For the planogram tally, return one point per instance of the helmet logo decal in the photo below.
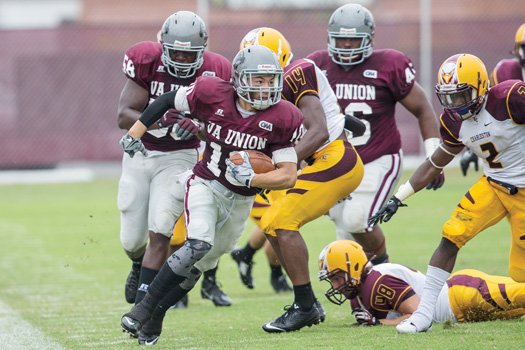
(448, 71)
(266, 67)
(182, 43)
(348, 30)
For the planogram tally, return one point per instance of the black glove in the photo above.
(365, 318)
(132, 145)
(437, 182)
(386, 212)
(466, 158)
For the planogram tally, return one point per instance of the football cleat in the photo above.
(245, 267)
(133, 321)
(322, 313)
(210, 290)
(408, 327)
(280, 284)
(149, 334)
(293, 319)
(132, 283)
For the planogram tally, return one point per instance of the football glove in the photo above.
(169, 118)
(466, 158)
(437, 182)
(132, 145)
(386, 212)
(186, 128)
(243, 173)
(365, 318)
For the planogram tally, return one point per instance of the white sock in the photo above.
(435, 280)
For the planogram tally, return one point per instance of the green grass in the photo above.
(62, 269)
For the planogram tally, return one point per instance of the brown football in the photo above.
(260, 162)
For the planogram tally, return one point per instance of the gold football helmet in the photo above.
(519, 44)
(342, 263)
(272, 39)
(462, 85)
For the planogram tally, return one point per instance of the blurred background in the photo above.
(61, 60)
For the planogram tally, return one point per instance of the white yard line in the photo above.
(16, 333)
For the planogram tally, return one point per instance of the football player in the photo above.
(246, 113)
(149, 200)
(513, 68)
(333, 171)
(387, 294)
(491, 123)
(369, 83)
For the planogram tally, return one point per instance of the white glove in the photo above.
(242, 174)
(132, 145)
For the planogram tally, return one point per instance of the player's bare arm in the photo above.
(315, 124)
(133, 99)
(417, 103)
(284, 176)
(432, 166)
(407, 308)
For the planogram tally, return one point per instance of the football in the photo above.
(260, 162)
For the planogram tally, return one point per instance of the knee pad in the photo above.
(191, 279)
(181, 262)
(353, 219)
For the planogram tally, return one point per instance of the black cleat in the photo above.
(279, 284)
(322, 313)
(245, 267)
(211, 290)
(181, 304)
(133, 321)
(293, 319)
(149, 334)
(132, 283)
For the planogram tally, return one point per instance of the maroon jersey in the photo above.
(370, 91)
(143, 64)
(506, 70)
(383, 293)
(213, 101)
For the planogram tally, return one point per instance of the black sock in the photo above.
(211, 274)
(170, 299)
(277, 271)
(161, 285)
(304, 296)
(145, 279)
(248, 252)
(380, 259)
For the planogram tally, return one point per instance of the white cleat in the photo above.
(408, 327)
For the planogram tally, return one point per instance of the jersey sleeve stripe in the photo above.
(495, 75)
(507, 101)
(449, 132)
(298, 98)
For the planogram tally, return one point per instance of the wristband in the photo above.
(431, 144)
(404, 191)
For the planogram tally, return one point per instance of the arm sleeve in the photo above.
(157, 108)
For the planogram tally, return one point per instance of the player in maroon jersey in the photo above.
(368, 84)
(245, 114)
(148, 199)
(513, 68)
(386, 294)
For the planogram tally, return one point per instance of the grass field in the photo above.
(63, 270)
